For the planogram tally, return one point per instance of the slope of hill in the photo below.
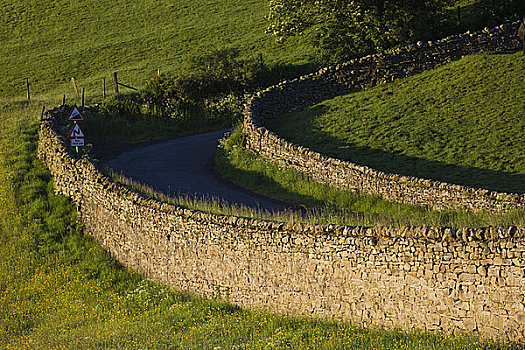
(50, 42)
(461, 123)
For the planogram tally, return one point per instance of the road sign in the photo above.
(76, 133)
(75, 115)
(77, 142)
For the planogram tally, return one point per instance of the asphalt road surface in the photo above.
(183, 165)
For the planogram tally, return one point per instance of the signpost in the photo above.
(76, 132)
(76, 135)
(75, 115)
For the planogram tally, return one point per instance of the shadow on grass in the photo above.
(280, 72)
(399, 163)
(265, 186)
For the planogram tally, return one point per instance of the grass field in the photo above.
(462, 123)
(58, 288)
(50, 42)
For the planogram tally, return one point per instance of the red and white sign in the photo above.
(76, 133)
(75, 115)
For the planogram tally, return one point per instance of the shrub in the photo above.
(344, 29)
(165, 96)
(229, 108)
(212, 89)
(125, 105)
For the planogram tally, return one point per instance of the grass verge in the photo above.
(107, 135)
(332, 206)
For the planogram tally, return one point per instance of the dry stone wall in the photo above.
(361, 74)
(409, 277)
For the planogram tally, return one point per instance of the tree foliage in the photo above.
(342, 29)
(496, 11)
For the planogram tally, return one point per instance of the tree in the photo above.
(342, 29)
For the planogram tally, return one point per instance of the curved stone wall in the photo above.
(409, 277)
(360, 74)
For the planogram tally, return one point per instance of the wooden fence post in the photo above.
(27, 89)
(116, 82)
(75, 87)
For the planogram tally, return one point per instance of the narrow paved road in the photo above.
(184, 165)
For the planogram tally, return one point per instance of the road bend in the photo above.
(184, 165)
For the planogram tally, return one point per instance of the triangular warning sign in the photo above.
(75, 115)
(76, 133)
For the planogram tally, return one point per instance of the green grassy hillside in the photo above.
(51, 41)
(461, 123)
